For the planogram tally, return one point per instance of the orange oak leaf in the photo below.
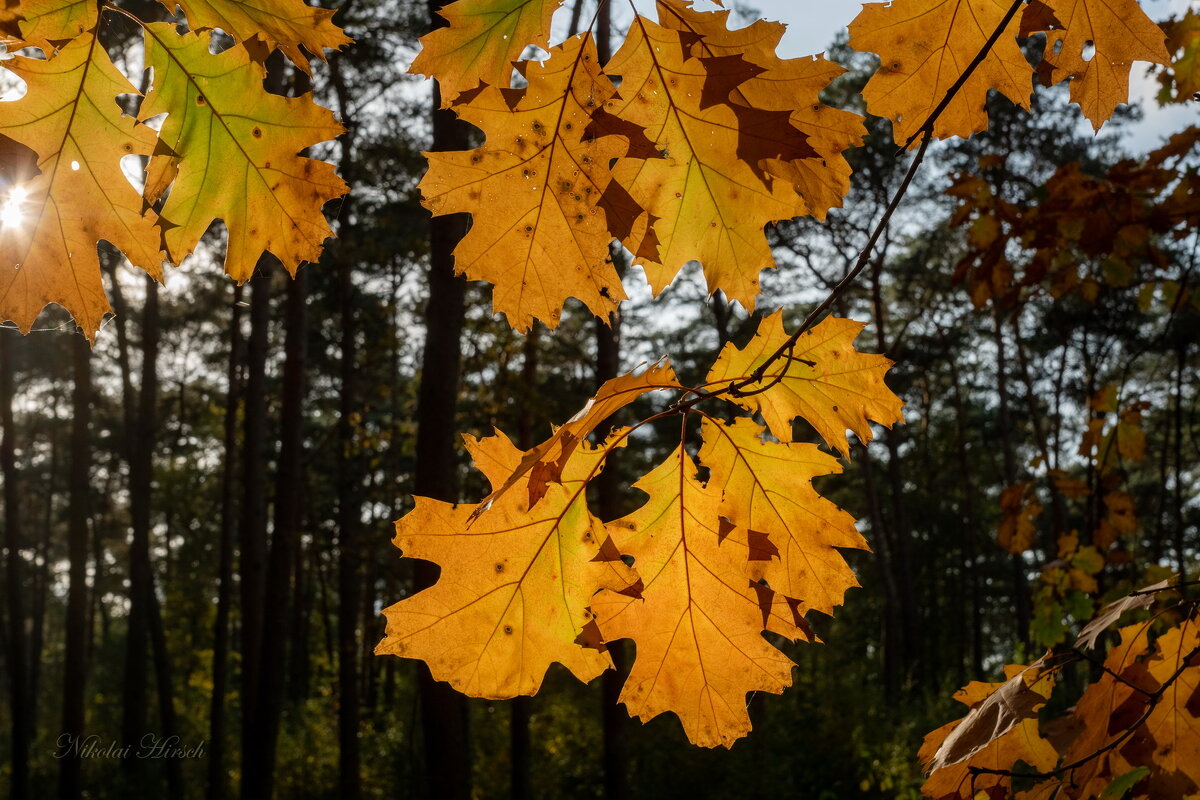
(228, 150)
(10, 24)
(697, 621)
(1020, 740)
(1095, 48)
(482, 40)
(823, 380)
(707, 202)
(790, 85)
(924, 47)
(1107, 708)
(1174, 724)
(45, 23)
(545, 463)
(538, 231)
(70, 118)
(284, 24)
(1019, 511)
(767, 490)
(515, 584)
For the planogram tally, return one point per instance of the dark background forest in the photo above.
(197, 511)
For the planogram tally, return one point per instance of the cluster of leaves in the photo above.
(1134, 731)
(226, 148)
(710, 137)
(1083, 232)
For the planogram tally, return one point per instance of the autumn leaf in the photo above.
(1013, 702)
(1115, 701)
(821, 379)
(545, 463)
(1019, 511)
(1113, 611)
(1020, 740)
(284, 24)
(46, 23)
(1095, 49)
(767, 490)
(791, 85)
(538, 231)
(1183, 42)
(1174, 724)
(698, 620)
(10, 24)
(924, 47)
(228, 151)
(515, 584)
(70, 118)
(707, 202)
(482, 40)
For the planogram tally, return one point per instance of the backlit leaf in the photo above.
(822, 380)
(71, 120)
(228, 151)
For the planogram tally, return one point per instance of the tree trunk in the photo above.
(253, 531)
(443, 711)
(1021, 600)
(901, 534)
(70, 766)
(220, 667)
(18, 657)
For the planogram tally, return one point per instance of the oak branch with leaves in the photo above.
(683, 147)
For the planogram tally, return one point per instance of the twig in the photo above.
(925, 133)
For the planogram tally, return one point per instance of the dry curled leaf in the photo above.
(1019, 741)
(1113, 611)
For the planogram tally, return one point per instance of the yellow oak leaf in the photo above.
(924, 47)
(515, 584)
(792, 85)
(767, 489)
(482, 40)
(545, 463)
(1020, 741)
(284, 24)
(538, 231)
(228, 150)
(1094, 46)
(698, 620)
(70, 118)
(823, 380)
(44, 23)
(705, 193)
